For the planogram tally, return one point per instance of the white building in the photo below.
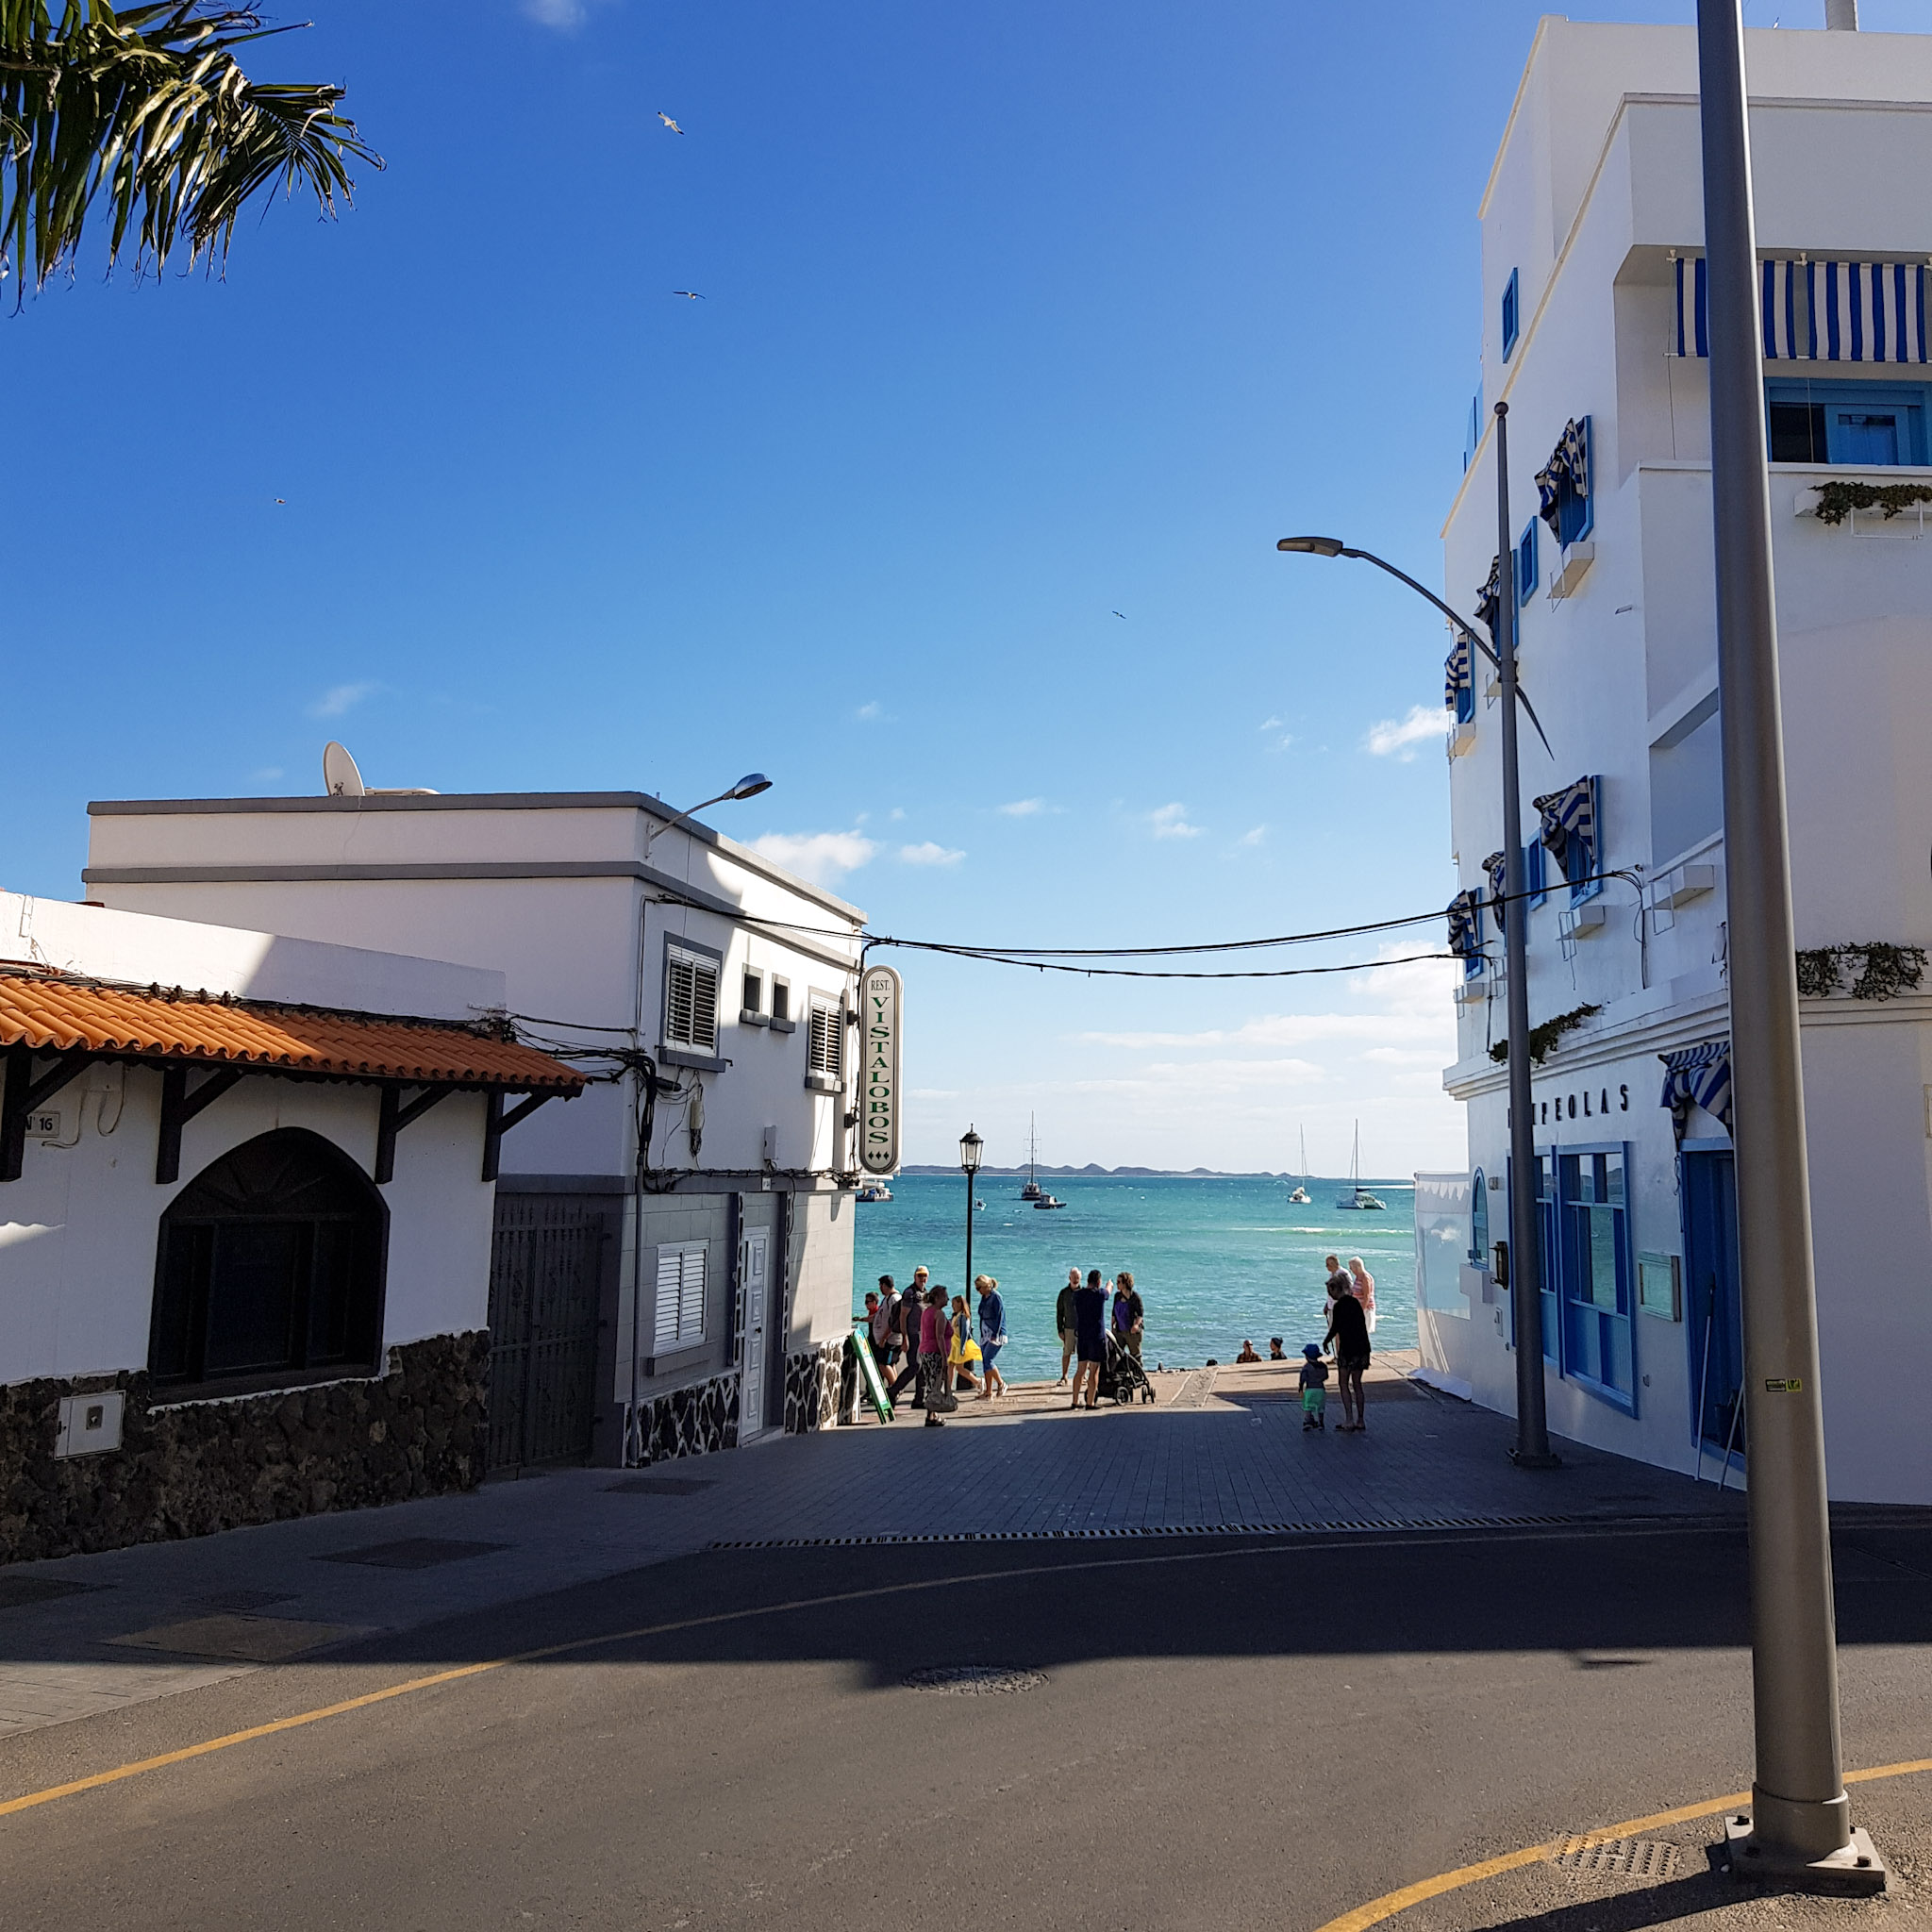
(652, 1295)
(246, 1190)
(1592, 241)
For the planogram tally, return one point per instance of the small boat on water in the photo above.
(1045, 1202)
(874, 1191)
(1031, 1190)
(1300, 1197)
(1358, 1196)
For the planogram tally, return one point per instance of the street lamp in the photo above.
(1799, 1827)
(1532, 1450)
(969, 1145)
(747, 787)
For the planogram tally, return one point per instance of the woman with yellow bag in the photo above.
(961, 1363)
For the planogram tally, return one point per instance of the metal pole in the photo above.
(1532, 1450)
(1801, 1819)
(971, 1182)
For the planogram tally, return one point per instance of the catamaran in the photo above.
(1357, 1195)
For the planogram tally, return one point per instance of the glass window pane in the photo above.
(251, 1298)
(1603, 1257)
(332, 1295)
(1613, 1179)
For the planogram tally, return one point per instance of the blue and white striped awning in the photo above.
(1818, 311)
(1489, 602)
(1458, 672)
(1569, 819)
(1494, 870)
(1569, 463)
(1465, 926)
(1698, 1076)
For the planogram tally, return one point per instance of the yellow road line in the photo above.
(1390, 1903)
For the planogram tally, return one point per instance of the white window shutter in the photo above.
(680, 1295)
(825, 1042)
(678, 1000)
(670, 1271)
(703, 1008)
(690, 1300)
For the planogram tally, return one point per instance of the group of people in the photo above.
(1083, 1316)
(924, 1338)
(1349, 1310)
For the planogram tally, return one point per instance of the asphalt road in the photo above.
(1213, 1734)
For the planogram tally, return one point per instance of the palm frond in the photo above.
(146, 111)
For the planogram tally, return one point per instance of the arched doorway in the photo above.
(271, 1268)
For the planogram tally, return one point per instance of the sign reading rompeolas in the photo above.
(881, 1000)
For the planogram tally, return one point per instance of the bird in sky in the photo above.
(668, 121)
(688, 294)
(1122, 615)
(282, 499)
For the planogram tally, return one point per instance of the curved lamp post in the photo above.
(747, 787)
(1532, 1450)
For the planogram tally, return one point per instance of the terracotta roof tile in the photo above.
(53, 1014)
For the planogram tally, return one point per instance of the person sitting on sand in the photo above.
(1247, 1354)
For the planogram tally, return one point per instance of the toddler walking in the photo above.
(1314, 1386)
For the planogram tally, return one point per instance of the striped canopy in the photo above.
(1569, 463)
(1488, 599)
(1698, 1076)
(1465, 926)
(1817, 311)
(1493, 871)
(1569, 822)
(1458, 672)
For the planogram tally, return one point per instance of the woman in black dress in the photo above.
(1348, 1329)
(1090, 1337)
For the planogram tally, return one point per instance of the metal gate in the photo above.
(544, 1267)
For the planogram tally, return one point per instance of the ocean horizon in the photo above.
(1215, 1258)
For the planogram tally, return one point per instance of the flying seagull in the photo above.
(688, 294)
(668, 121)
(1122, 615)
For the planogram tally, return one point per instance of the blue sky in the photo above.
(1015, 316)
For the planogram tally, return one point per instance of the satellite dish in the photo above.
(340, 777)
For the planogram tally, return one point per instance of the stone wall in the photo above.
(811, 1388)
(693, 1420)
(417, 1431)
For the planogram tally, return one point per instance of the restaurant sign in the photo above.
(881, 1001)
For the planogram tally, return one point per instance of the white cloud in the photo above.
(821, 857)
(1272, 723)
(267, 771)
(562, 14)
(1171, 821)
(1253, 836)
(873, 710)
(1024, 807)
(926, 853)
(338, 700)
(1402, 739)
(897, 812)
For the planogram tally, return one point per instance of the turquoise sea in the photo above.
(1214, 1259)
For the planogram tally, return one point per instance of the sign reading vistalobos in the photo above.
(881, 1000)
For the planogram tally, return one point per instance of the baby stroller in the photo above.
(1120, 1374)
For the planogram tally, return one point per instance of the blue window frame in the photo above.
(1587, 854)
(1866, 425)
(1596, 1276)
(1527, 562)
(1510, 317)
(1473, 963)
(1534, 880)
(1546, 1249)
(1473, 429)
(1479, 1221)
(1465, 701)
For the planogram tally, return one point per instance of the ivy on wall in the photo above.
(1837, 501)
(1881, 972)
(1544, 1039)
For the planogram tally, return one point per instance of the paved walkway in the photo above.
(1222, 1450)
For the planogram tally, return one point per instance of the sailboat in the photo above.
(1357, 1195)
(1300, 1196)
(1031, 1190)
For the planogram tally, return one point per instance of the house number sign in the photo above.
(881, 1001)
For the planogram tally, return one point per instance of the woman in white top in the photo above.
(1364, 1285)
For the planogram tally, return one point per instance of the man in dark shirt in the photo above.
(1063, 1319)
(911, 1304)
(1348, 1329)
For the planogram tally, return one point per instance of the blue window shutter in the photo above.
(1511, 320)
(1525, 563)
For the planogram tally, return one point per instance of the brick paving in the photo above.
(1024, 1467)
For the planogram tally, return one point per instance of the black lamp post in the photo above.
(970, 1145)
